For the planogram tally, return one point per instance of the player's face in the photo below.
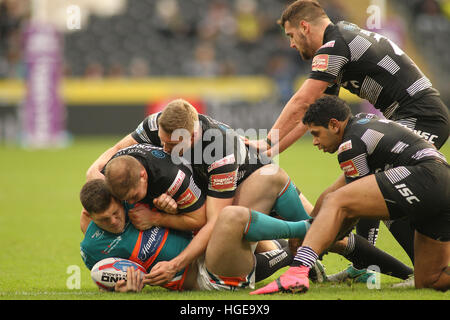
(137, 193)
(179, 140)
(324, 138)
(298, 40)
(111, 220)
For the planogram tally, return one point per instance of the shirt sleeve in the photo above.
(352, 156)
(147, 131)
(223, 176)
(329, 61)
(183, 189)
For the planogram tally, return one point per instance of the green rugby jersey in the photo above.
(146, 247)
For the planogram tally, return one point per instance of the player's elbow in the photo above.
(196, 222)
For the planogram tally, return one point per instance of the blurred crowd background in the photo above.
(207, 39)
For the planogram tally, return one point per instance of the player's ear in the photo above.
(334, 125)
(304, 26)
(143, 174)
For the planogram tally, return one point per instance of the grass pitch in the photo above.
(40, 234)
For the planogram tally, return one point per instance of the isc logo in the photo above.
(407, 193)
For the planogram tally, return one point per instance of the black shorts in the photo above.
(422, 193)
(253, 162)
(428, 117)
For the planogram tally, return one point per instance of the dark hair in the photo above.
(328, 107)
(95, 196)
(308, 10)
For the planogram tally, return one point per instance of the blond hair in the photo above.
(122, 174)
(178, 114)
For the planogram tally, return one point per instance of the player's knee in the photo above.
(274, 175)
(234, 215)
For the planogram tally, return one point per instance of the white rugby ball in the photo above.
(107, 272)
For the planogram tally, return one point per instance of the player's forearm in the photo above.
(196, 247)
(289, 139)
(289, 119)
(97, 166)
(186, 222)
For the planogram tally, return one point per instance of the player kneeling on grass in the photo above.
(390, 172)
(228, 263)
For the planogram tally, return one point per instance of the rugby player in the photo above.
(389, 173)
(368, 65)
(228, 263)
(228, 171)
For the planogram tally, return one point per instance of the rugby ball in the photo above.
(107, 272)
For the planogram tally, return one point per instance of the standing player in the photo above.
(368, 65)
(390, 172)
(228, 264)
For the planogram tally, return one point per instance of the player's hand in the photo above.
(161, 273)
(134, 282)
(260, 145)
(166, 203)
(143, 218)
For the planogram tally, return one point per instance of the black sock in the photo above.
(368, 229)
(267, 263)
(365, 254)
(403, 232)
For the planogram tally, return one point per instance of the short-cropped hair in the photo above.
(95, 196)
(122, 174)
(178, 114)
(326, 108)
(308, 10)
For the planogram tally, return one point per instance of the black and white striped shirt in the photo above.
(370, 66)
(371, 145)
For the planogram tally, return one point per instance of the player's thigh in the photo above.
(360, 198)
(227, 254)
(431, 257)
(260, 189)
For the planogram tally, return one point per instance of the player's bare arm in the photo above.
(163, 272)
(143, 218)
(94, 171)
(289, 127)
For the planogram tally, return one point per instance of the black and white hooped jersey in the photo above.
(371, 145)
(166, 177)
(219, 159)
(370, 66)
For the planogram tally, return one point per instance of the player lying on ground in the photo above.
(129, 180)
(228, 263)
(390, 172)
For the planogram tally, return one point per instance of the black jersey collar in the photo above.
(327, 35)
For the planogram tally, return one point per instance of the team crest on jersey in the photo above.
(347, 145)
(349, 169)
(320, 62)
(158, 154)
(363, 121)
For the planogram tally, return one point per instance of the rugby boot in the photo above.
(353, 274)
(318, 273)
(408, 283)
(294, 280)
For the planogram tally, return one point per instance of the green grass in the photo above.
(40, 235)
